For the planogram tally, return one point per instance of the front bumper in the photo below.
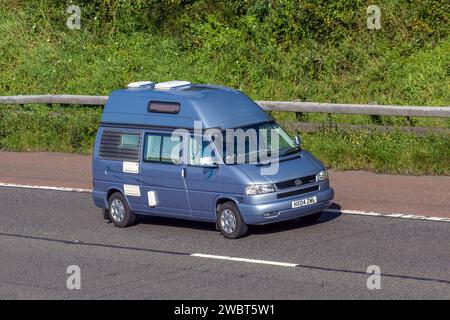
(254, 213)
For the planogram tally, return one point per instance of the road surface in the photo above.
(43, 232)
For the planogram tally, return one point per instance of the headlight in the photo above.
(253, 189)
(322, 175)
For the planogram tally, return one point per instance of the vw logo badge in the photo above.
(298, 182)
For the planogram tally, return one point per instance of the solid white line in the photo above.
(353, 212)
(273, 263)
(25, 186)
(389, 215)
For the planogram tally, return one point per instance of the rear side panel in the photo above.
(115, 165)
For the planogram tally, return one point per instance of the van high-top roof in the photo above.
(216, 106)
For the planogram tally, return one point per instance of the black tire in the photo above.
(105, 214)
(240, 228)
(312, 217)
(128, 219)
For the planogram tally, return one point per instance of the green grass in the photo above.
(54, 129)
(397, 153)
(271, 49)
(38, 54)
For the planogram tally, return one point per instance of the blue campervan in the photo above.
(157, 152)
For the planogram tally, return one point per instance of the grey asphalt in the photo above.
(43, 232)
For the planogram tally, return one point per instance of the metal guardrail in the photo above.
(54, 99)
(307, 107)
(364, 109)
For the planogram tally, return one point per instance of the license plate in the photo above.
(304, 202)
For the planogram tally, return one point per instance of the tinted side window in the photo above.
(162, 148)
(163, 107)
(129, 141)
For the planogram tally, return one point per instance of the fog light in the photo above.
(270, 214)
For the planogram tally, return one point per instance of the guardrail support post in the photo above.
(376, 119)
(299, 116)
(410, 121)
(330, 120)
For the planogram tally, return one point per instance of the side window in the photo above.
(152, 147)
(129, 141)
(171, 149)
(201, 152)
(162, 148)
(120, 146)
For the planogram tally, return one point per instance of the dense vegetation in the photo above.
(271, 49)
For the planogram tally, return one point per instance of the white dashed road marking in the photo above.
(273, 263)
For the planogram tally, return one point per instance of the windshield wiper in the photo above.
(234, 156)
(291, 150)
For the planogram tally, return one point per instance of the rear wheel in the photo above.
(230, 222)
(119, 212)
(312, 217)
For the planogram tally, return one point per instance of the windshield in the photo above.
(254, 143)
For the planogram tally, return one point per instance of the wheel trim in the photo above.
(228, 221)
(117, 210)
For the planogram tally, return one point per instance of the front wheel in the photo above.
(230, 222)
(119, 212)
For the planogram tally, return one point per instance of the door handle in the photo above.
(183, 172)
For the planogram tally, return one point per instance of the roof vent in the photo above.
(140, 84)
(171, 85)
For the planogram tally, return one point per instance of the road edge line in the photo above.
(389, 215)
(26, 186)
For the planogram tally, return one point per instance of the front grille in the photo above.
(297, 192)
(291, 183)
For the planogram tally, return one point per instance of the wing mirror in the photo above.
(208, 162)
(298, 141)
